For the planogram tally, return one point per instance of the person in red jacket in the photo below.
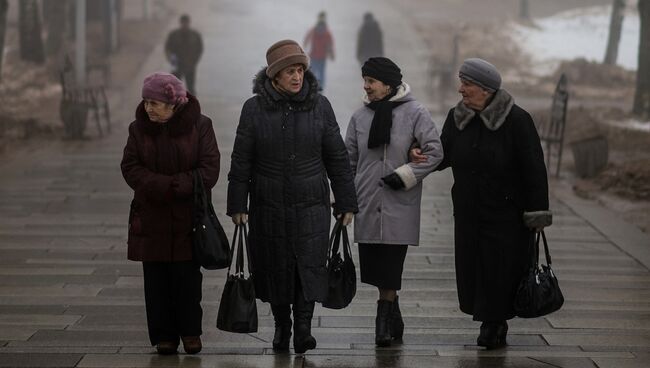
(320, 42)
(168, 139)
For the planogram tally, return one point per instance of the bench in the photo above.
(551, 132)
(77, 102)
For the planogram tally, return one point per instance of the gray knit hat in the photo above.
(481, 73)
(283, 54)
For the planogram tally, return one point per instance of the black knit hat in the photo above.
(382, 69)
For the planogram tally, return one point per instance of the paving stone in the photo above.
(16, 333)
(200, 361)
(56, 280)
(69, 291)
(60, 321)
(598, 339)
(39, 360)
(621, 363)
(28, 271)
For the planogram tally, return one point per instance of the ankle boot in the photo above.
(282, 317)
(493, 335)
(397, 326)
(302, 315)
(383, 323)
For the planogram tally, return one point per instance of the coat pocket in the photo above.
(135, 220)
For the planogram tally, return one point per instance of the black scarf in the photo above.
(382, 122)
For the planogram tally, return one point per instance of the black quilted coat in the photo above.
(285, 150)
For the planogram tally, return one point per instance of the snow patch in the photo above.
(632, 124)
(579, 33)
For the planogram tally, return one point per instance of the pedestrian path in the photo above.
(69, 298)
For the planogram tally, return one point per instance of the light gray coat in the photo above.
(388, 216)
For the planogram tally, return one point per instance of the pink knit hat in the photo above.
(164, 87)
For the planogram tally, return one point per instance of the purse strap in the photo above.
(241, 240)
(546, 251)
(535, 237)
(335, 240)
(232, 249)
(198, 191)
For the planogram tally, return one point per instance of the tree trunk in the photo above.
(31, 41)
(55, 14)
(615, 27)
(524, 9)
(4, 6)
(642, 95)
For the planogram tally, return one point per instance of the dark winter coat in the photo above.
(285, 150)
(187, 47)
(370, 42)
(157, 164)
(499, 174)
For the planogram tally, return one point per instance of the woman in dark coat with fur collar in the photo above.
(168, 139)
(500, 196)
(287, 146)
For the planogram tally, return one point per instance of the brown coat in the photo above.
(157, 164)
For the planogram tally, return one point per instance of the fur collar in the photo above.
(274, 100)
(493, 116)
(403, 94)
(181, 122)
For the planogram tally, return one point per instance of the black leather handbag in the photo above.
(209, 241)
(539, 293)
(237, 308)
(341, 273)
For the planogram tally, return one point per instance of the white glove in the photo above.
(240, 218)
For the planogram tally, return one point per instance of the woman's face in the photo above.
(290, 78)
(158, 111)
(376, 90)
(474, 96)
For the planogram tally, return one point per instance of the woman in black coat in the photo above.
(287, 146)
(500, 196)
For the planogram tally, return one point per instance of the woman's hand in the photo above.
(240, 218)
(346, 218)
(416, 156)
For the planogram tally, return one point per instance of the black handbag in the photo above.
(538, 293)
(209, 241)
(237, 308)
(341, 273)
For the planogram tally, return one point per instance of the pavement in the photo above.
(69, 297)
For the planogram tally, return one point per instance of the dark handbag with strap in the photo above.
(341, 273)
(209, 241)
(538, 293)
(237, 308)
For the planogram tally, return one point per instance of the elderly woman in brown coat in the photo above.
(168, 139)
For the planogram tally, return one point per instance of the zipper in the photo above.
(381, 204)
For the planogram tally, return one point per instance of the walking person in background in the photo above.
(168, 139)
(389, 187)
(370, 41)
(287, 146)
(320, 42)
(183, 49)
(500, 195)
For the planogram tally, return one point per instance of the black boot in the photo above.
(302, 314)
(383, 323)
(397, 327)
(282, 317)
(493, 335)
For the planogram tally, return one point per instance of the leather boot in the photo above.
(192, 344)
(383, 323)
(493, 335)
(397, 327)
(302, 315)
(167, 347)
(282, 317)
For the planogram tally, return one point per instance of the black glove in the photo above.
(394, 181)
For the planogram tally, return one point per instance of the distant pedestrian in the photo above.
(168, 139)
(389, 187)
(500, 196)
(183, 49)
(320, 42)
(370, 41)
(287, 146)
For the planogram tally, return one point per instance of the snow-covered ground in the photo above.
(575, 34)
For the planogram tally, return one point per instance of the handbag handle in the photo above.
(535, 237)
(241, 240)
(335, 239)
(198, 190)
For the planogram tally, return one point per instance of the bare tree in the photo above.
(615, 27)
(4, 6)
(642, 95)
(524, 9)
(55, 14)
(29, 32)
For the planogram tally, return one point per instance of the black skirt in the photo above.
(381, 265)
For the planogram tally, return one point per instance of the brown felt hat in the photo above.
(283, 54)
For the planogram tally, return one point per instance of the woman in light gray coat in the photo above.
(389, 188)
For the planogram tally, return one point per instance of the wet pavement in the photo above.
(69, 297)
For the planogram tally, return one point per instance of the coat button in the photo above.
(292, 156)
